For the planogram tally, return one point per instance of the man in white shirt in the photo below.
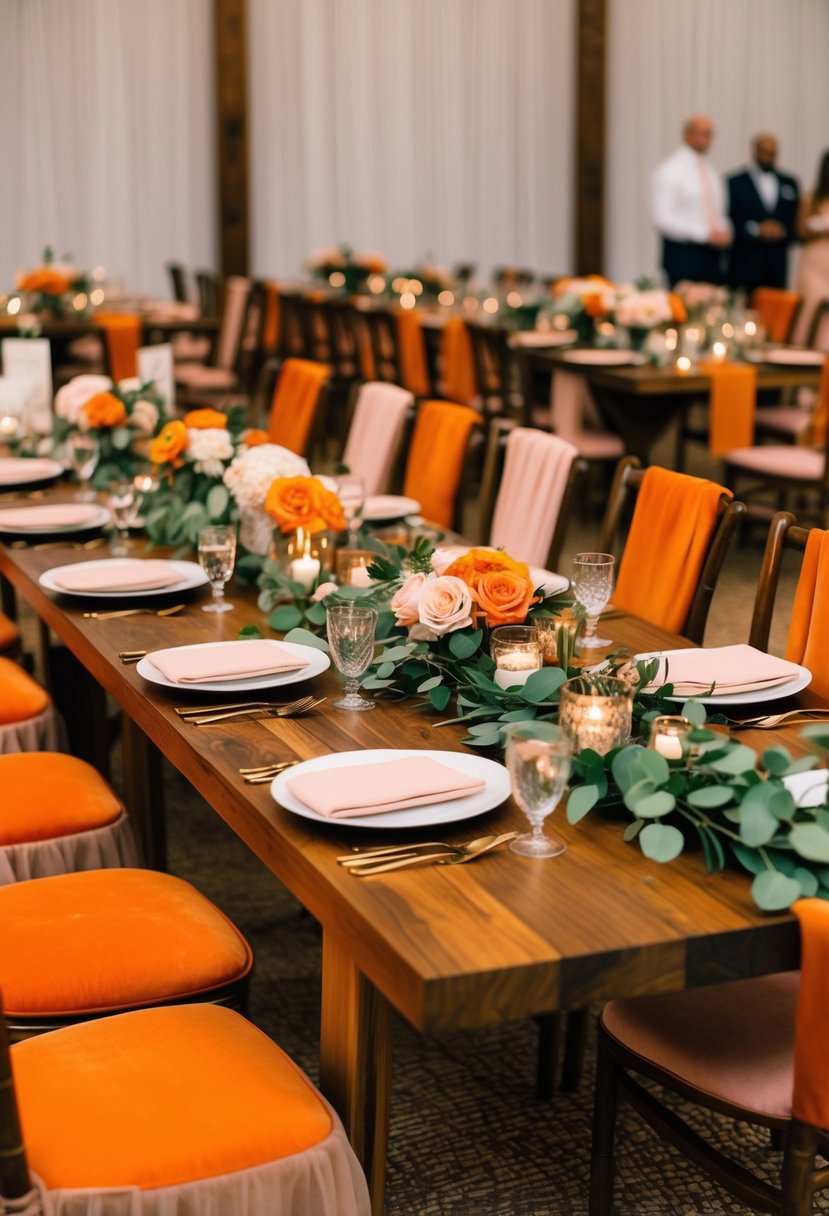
(762, 205)
(688, 202)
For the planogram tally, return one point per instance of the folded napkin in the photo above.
(59, 515)
(370, 789)
(225, 661)
(16, 468)
(118, 576)
(731, 669)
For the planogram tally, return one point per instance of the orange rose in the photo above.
(474, 564)
(204, 420)
(255, 438)
(50, 282)
(678, 309)
(594, 305)
(303, 502)
(168, 445)
(504, 597)
(104, 410)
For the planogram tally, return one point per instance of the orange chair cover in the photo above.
(436, 456)
(414, 370)
(9, 633)
(21, 697)
(733, 404)
(294, 403)
(777, 309)
(672, 526)
(123, 338)
(270, 329)
(817, 434)
(458, 362)
(806, 643)
(46, 794)
(810, 1096)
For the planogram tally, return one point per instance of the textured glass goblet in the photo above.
(217, 557)
(592, 585)
(538, 770)
(351, 639)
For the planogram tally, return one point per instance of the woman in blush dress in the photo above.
(813, 230)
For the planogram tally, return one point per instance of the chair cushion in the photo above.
(21, 697)
(153, 937)
(779, 460)
(596, 445)
(46, 794)
(161, 1097)
(9, 633)
(195, 375)
(789, 419)
(190, 347)
(733, 1042)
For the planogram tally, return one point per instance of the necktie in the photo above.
(709, 205)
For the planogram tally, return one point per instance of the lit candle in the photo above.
(515, 667)
(8, 425)
(305, 570)
(517, 652)
(683, 366)
(360, 576)
(670, 736)
(718, 352)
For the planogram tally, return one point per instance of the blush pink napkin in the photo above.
(118, 576)
(371, 789)
(731, 669)
(225, 661)
(19, 468)
(61, 515)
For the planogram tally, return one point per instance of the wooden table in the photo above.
(449, 947)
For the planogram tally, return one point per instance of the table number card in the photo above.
(156, 363)
(30, 359)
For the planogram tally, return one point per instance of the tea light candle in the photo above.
(8, 425)
(514, 667)
(516, 650)
(670, 736)
(718, 352)
(305, 569)
(683, 366)
(596, 717)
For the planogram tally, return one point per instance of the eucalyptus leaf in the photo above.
(304, 637)
(633, 829)
(707, 797)
(463, 644)
(440, 697)
(580, 801)
(776, 760)
(426, 686)
(661, 842)
(737, 759)
(625, 766)
(218, 500)
(807, 881)
(694, 711)
(285, 617)
(655, 805)
(543, 685)
(773, 892)
(654, 766)
(385, 670)
(811, 841)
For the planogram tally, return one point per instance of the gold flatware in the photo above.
(361, 857)
(291, 710)
(266, 778)
(265, 768)
(96, 543)
(132, 656)
(458, 856)
(190, 711)
(767, 721)
(111, 616)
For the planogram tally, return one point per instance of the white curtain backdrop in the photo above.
(752, 65)
(107, 139)
(439, 128)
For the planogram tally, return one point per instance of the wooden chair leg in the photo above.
(798, 1168)
(549, 1030)
(574, 1046)
(604, 1128)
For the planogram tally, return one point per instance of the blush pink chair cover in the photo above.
(575, 417)
(99, 849)
(536, 471)
(45, 732)
(375, 432)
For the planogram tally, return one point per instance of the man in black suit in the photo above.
(762, 206)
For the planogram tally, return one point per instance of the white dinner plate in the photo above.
(381, 507)
(28, 471)
(809, 789)
(601, 357)
(496, 790)
(318, 662)
(532, 338)
(99, 520)
(551, 582)
(788, 356)
(801, 678)
(191, 573)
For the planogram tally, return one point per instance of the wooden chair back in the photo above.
(783, 534)
(818, 336)
(342, 339)
(497, 375)
(298, 400)
(627, 481)
(294, 339)
(381, 325)
(178, 280)
(250, 352)
(207, 285)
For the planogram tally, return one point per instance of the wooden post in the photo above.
(230, 29)
(591, 83)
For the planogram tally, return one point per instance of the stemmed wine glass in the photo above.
(83, 454)
(351, 492)
(351, 638)
(538, 767)
(217, 557)
(122, 506)
(592, 585)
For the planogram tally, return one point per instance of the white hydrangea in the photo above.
(70, 399)
(250, 474)
(208, 448)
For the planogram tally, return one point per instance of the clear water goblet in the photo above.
(122, 505)
(351, 639)
(217, 557)
(539, 766)
(592, 585)
(351, 492)
(83, 453)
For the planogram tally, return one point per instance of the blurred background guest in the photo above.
(688, 207)
(813, 230)
(762, 207)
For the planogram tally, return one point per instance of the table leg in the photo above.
(355, 1059)
(144, 793)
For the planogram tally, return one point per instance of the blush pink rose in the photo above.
(406, 600)
(445, 605)
(322, 591)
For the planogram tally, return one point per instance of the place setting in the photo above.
(23, 472)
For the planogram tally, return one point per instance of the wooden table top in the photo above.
(449, 947)
(648, 381)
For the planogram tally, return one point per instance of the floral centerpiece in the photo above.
(343, 268)
(426, 281)
(123, 417)
(52, 286)
(249, 477)
(583, 301)
(646, 308)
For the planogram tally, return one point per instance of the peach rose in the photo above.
(168, 445)
(144, 416)
(205, 420)
(505, 598)
(72, 397)
(445, 605)
(475, 563)
(104, 410)
(406, 600)
(442, 559)
(254, 438)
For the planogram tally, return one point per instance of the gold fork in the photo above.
(291, 709)
(266, 776)
(119, 612)
(458, 856)
(767, 721)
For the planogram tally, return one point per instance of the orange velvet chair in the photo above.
(9, 633)
(28, 719)
(441, 441)
(59, 815)
(187, 1108)
(78, 946)
(298, 402)
(752, 1049)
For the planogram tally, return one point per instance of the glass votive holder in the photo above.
(516, 650)
(352, 567)
(671, 736)
(596, 713)
(557, 638)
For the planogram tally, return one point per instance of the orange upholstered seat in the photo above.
(9, 633)
(295, 401)
(182, 1097)
(21, 697)
(109, 940)
(46, 794)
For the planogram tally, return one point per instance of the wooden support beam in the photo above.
(591, 86)
(230, 29)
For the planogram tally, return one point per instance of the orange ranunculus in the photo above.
(594, 306)
(505, 598)
(104, 410)
(44, 279)
(475, 563)
(204, 420)
(168, 445)
(254, 438)
(678, 310)
(304, 502)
